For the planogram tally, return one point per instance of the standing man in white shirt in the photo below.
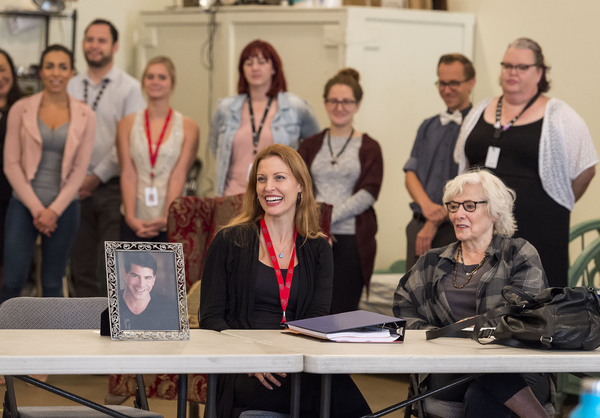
(112, 94)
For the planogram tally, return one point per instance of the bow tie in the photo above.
(446, 117)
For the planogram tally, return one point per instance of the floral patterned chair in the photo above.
(194, 222)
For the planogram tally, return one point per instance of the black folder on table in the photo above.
(354, 326)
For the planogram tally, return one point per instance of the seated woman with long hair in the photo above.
(271, 264)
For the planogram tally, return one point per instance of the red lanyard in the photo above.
(154, 155)
(284, 289)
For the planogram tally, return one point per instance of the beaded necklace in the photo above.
(98, 96)
(462, 260)
(498, 128)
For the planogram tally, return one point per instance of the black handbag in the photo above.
(558, 318)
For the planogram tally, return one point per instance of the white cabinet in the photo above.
(395, 50)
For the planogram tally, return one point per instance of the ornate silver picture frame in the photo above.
(146, 291)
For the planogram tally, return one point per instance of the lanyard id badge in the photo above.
(151, 192)
(284, 288)
(492, 157)
(151, 196)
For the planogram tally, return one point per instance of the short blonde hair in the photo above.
(500, 199)
(166, 61)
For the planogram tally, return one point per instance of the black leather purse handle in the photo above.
(523, 296)
(477, 322)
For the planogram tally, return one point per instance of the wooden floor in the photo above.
(380, 391)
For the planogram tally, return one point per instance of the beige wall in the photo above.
(564, 29)
(25, 46)
(124, 14)
(571, 45)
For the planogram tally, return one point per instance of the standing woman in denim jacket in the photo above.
(261, 114)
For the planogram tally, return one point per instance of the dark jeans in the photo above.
(100, 221)
(128, 234)
(20, 236)
(346, 399)
(347, 274)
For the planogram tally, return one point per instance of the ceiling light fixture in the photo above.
(50, 6)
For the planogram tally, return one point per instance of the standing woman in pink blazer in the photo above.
(47, 149)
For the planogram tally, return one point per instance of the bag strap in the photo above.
(477, 322)
(453, 330)
(522, 295)
(478, 334)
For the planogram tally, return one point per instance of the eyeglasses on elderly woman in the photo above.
(468, 205)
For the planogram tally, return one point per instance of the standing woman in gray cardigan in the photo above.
(261, 114)
(347, 169)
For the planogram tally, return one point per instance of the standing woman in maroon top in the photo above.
(347, 170)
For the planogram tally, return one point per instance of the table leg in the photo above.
(182, 386)
(325, 395)
(295, 401)
(141, 400)
(210, 409)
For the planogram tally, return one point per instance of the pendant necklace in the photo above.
(282, 251)
(470, 274)
(498, 128)
(334, 157)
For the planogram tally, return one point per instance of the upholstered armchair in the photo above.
(194, 222)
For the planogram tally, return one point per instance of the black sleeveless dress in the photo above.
(540, 220)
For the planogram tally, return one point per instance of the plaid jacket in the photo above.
(420, 297)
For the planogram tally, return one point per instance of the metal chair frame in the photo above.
(57, 313)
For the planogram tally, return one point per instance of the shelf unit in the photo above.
(30, 82)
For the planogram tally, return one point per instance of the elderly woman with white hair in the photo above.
(466, 278)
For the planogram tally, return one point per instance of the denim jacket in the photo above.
(293, 121)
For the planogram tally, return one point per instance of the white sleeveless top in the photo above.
(168, 154)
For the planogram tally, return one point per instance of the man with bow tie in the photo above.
(431, 163)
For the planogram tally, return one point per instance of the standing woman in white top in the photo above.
(539, 147)
(156, 147)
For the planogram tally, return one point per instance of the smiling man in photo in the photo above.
(139, 307)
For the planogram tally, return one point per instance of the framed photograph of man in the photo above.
(146, 291)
